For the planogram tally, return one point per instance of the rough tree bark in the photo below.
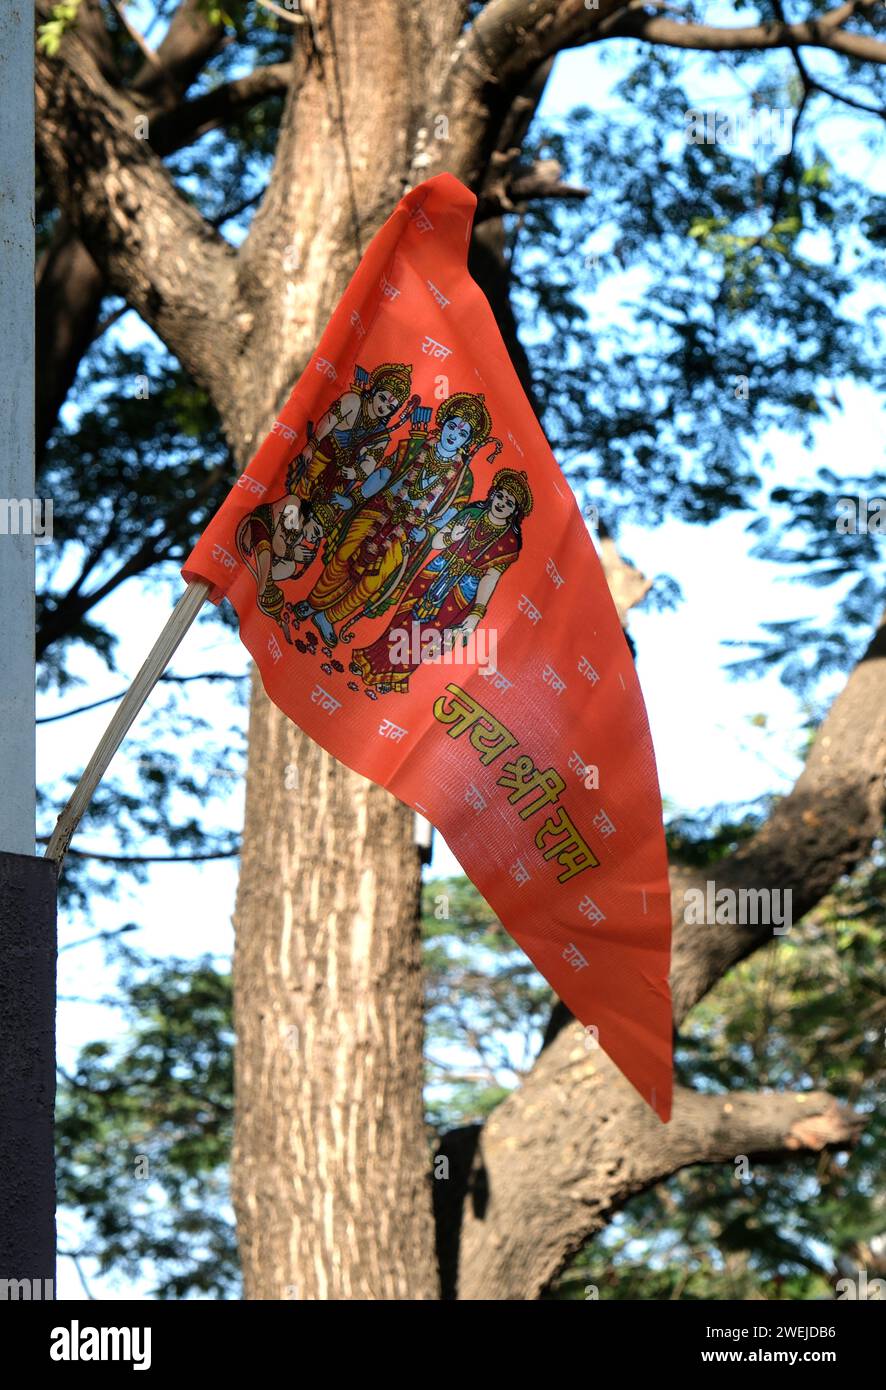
(331, 1168)
(331, 1156)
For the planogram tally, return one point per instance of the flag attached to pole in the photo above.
(419, 591)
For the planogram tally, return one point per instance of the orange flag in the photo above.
(419, 591)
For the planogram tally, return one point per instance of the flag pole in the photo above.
(27, 884)
(155, 663)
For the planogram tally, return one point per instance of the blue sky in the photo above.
(707, 748)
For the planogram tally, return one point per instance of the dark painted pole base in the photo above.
(27, 1076)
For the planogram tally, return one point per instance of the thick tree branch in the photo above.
(511, 188)
(94, 32)
(153, 246)
(567, 1150)
(171, 129)
(510, 38)
(144, 48)
(69, 293)
(290, 16)
(821, 830)
(488, 259)
(715, 1129)
(328, 141)
(71, 287)
(627, 585)
(190, 41)
(813, 33)
(811, 84)
(563, 1153)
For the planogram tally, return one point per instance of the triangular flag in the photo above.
(417, 586)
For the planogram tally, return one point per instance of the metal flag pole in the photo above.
(155, 663)
(27, 884)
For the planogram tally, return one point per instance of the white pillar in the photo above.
(17, 705)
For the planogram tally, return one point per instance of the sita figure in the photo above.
(349, 440)
(428, 477)
(450, 593)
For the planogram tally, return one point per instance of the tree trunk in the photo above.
(331, 1161)
(331, 1157)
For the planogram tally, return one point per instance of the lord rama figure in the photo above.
(427, 478)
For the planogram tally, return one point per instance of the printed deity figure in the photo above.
(426, 479)
(450, 593)
(278, 541)
(348, 442)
